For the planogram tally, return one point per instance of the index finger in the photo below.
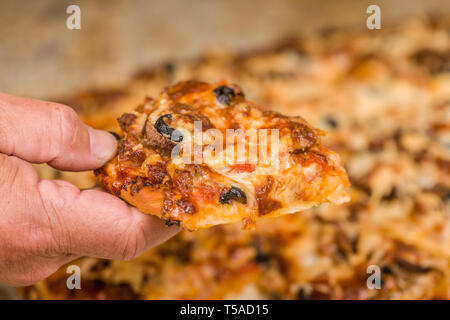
(46, 132)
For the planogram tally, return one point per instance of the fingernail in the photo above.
(115, 135)
(103, 144)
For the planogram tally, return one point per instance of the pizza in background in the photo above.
(384, 98)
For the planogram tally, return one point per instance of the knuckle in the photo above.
(67, 128)
(129, 251)
(133, 245)
(41, 243)
(57, 238)
(5, 143)
(6, 168)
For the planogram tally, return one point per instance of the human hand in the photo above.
(47, 223)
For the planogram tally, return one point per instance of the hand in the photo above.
(47, 223)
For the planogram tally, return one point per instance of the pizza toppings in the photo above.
(235, 194)
(265, 203)
(154, 138)
(126, 120)
(435, 62)
(224, 94)
(164, 169)
(331, 122)
(186, 206)
(163, 128)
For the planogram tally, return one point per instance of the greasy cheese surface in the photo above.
(145, 174)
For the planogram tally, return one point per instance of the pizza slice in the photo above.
(202, 155)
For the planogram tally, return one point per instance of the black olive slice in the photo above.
(172, 222)
(233, 194)
(163, 128)
(331, 122)
(224, 94)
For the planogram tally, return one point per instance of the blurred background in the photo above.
(41, 58)
(394, 142)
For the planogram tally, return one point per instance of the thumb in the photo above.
(45, 132)
(95, 223)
